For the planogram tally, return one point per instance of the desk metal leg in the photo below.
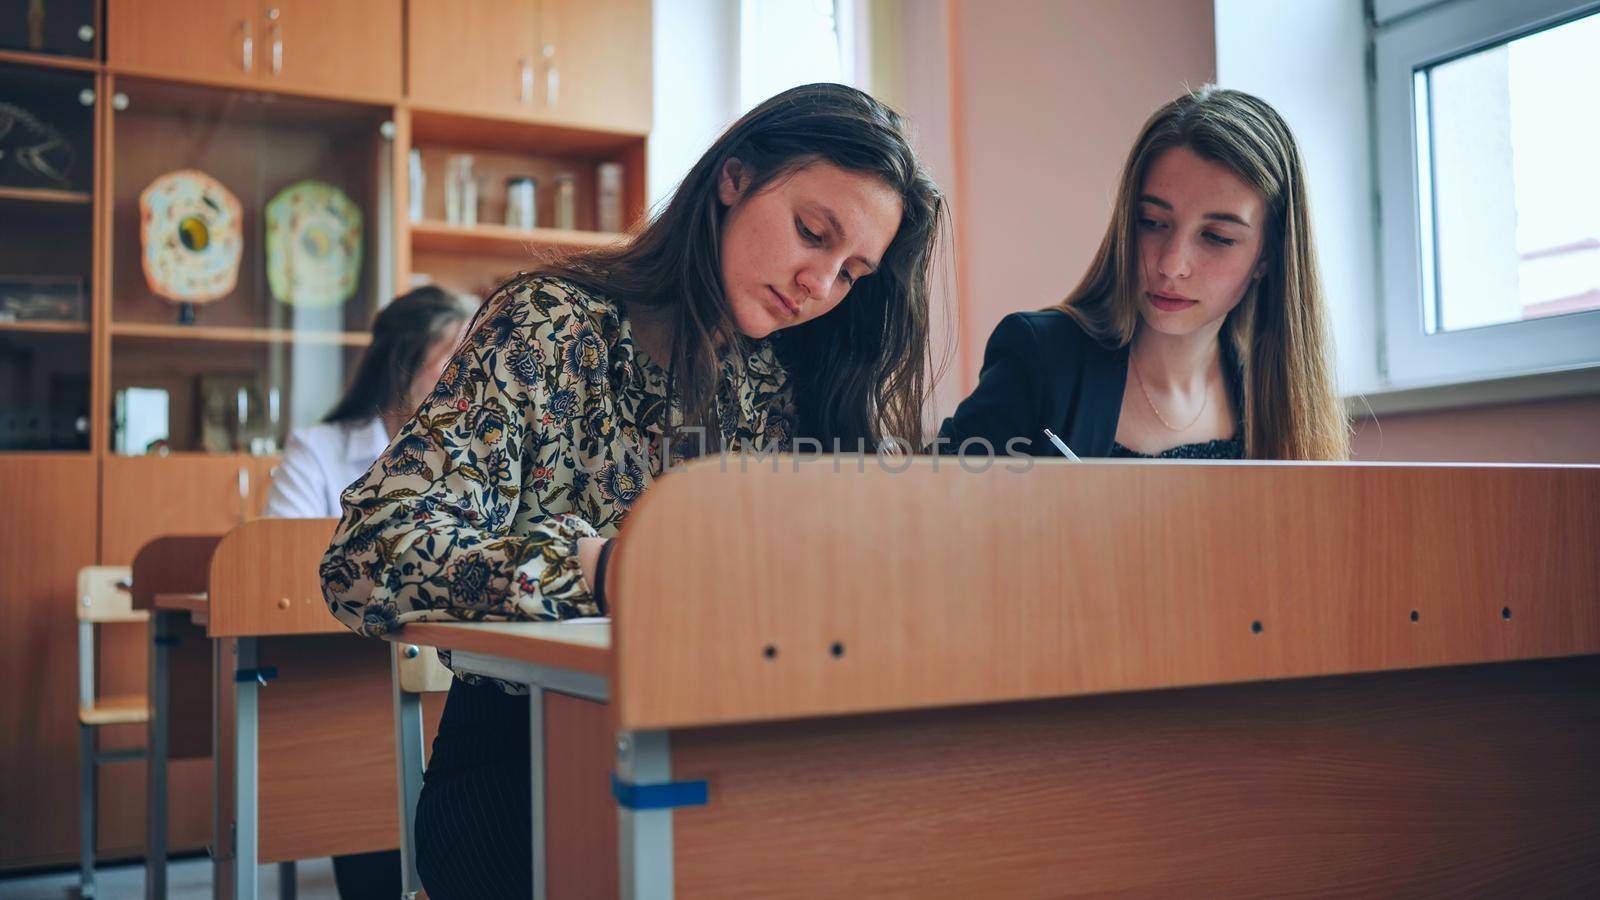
(246, 695)
(155, 854)
(538, 679)
(408, 756)
(536, 747)
(644, 836)
(86, 807)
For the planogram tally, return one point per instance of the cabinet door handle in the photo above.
(277, 41)
(248, 45)
(244, 493)
(526, 97)
(552, 76)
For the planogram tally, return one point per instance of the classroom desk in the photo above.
(552, 660)
(1240, 680)
(294, 710)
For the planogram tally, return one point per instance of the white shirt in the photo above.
(319, 462)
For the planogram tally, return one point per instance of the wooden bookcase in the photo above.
(258, 94)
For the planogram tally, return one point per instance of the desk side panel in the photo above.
(1473, 781)
(946, 587)
(327, 766)
(581, 814)
(265, 579)
(172, 564)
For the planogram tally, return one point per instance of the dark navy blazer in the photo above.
(1042, 370)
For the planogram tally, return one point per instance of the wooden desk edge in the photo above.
(628, 717)
(468, 637)
(198, 606)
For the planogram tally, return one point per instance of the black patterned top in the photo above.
(1221, 448)
(532, 440)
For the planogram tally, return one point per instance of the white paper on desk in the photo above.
(587, 620)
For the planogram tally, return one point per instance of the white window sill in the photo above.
(1552, 385)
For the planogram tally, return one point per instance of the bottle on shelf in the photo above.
(522, 193)
(608, 197)
(461, 191)
(566, 201)
(419, 185)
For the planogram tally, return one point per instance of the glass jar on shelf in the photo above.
(522, 195)
(461, 191)
(566, 201)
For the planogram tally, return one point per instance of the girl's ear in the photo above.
(733, 182)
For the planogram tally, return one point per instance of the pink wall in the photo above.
(1047, 97)
(924, 88)
(1543, 431)
(1027, 132)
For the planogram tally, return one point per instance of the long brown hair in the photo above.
(860, 371)
(1279, 331)
(402, 334)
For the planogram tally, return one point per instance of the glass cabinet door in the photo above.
(250, 247)
(47, 140)
(58, 28)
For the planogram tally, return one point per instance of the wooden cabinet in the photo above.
(351, 47)
(47, 237)
(145, 497)
(599, 52)
(211, 39)
(259, 95)
(570, 62)
(482, 61)
(46, 535)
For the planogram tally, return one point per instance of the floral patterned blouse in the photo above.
(533, 438)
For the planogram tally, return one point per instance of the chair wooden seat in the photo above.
(131, 709)
(114, 618)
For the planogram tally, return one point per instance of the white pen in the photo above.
(1062, 446)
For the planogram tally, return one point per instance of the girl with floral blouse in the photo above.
(810, 216)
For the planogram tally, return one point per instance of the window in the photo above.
(786, 43)
(1490, 198)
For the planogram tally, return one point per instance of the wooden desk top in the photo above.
(198, 606)
(574, 646)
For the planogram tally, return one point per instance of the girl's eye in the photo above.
(849, 280)
(1148, 223)
(1219, 240)
(811, 236)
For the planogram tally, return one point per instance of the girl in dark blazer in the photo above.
(1199, 329)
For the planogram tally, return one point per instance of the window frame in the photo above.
(1415, 39)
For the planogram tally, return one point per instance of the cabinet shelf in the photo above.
(45, 327)
(226, 335)
(499, 240)
(49, 61)
(432, 124)
(45, 195)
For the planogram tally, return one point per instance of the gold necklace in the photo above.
(1206, 401)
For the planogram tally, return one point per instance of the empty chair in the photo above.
(104, 598)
